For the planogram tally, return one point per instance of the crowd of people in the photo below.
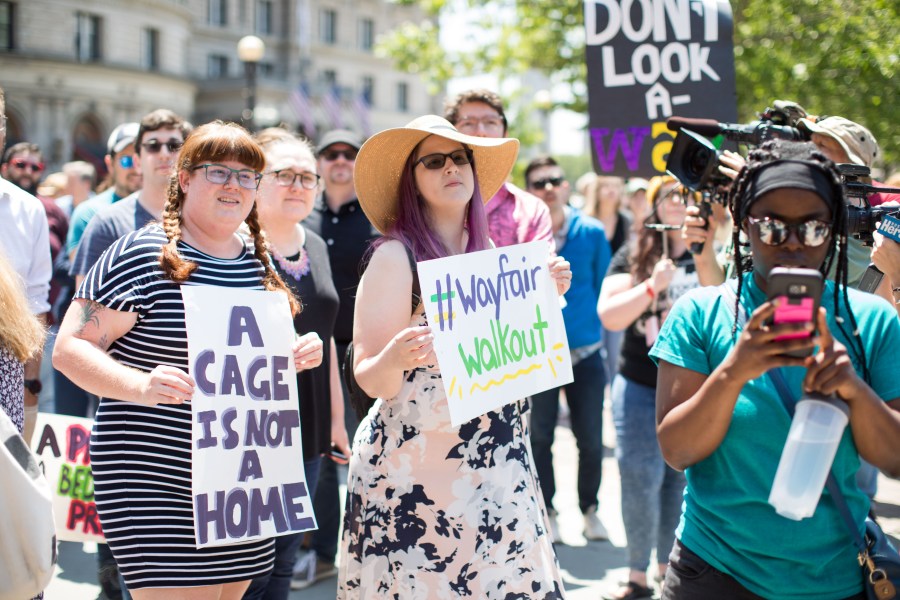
(665, 308)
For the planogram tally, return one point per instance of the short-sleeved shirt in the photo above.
(348, 235)
(727, 519)
(634, 361)
(515, 217)
(83, 214)
(109, 224)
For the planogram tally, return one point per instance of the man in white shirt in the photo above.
(25, 241)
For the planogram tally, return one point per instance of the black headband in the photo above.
(797, 174)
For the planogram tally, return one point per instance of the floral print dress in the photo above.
(435, 511)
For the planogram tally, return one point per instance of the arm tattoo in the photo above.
(104, 342)
(90, 314)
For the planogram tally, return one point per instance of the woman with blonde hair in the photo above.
(124, 339)
(21, 337)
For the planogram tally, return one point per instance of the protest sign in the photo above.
(648, 60)
(61, 446)
(498, 328)
(248, 478)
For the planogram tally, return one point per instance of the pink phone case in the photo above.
(799, 310)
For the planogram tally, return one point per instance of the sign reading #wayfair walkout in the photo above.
(248, 477)
(498, 328)
(648, 60)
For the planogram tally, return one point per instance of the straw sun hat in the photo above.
(381, 160)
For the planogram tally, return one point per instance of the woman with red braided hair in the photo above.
(722, 414)
(124, 339)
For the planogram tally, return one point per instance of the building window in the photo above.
(366, 34)
(368, 89)
(217, 66)
(150, 49)
(328, 23)
(7, 25)
(264, 17)
(87, 37)
(218, 12)
(403, 96)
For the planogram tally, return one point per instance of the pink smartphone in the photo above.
(799, 292)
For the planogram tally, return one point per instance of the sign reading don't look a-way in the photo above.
(248, 478)
(498, 329)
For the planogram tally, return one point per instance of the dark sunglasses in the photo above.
(541, 184)
(126, 161)
(435, 161)
(155, 146)
(21, 163)
(331, 155)
(774, 232)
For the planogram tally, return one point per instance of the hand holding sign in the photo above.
(561, 272)
(166, 385)
(308, 351)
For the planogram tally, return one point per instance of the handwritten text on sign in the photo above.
(650, 60)
(248, 477)
(61, 445)
(499, 333)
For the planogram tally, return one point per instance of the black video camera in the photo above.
(694, 160)
(862, 217)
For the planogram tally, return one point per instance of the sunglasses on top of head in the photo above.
(774, 232)
(21, 163)
(436, 161)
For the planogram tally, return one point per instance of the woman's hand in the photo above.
(561, 272)
(757, 351)
(662, 274)
(411, 348)
(340, 441)
(730, 164)
(166, 385)
(308, 351)
(829, 371)
(696, 229)
(886, 256)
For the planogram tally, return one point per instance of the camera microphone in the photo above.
(707, 127)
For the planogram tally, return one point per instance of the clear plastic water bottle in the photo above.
(812, 442)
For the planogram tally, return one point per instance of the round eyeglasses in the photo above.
(286, 178)
(220, 175)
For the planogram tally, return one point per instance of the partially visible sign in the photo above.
(248, 476)
(61, 445)
(648, 60)
(498, 328)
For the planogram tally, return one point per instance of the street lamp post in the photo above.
(250, 51)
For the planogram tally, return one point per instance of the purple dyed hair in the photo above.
(412, 228)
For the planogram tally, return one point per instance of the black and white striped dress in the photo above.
(141, 455)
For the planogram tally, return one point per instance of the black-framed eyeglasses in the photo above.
(332, 155)
(435, 161)
(774, 232)
(286, 178)
(541, 184)
(220, 175)
(155, 146)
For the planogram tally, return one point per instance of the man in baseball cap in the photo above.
(121, 137)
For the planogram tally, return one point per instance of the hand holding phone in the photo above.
(338, 456)
(798, 292)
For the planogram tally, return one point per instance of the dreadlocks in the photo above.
(743, 195)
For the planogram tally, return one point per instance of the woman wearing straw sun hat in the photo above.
(433, 509)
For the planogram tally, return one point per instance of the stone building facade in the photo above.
(74, 69)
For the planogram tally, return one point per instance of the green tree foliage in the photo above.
(834, 57)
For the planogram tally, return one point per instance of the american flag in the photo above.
(332, 105)
(303, 109)
(362, 109)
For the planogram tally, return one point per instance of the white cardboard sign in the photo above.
(498, 327)
(248, 476)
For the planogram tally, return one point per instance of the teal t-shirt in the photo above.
(726, 517)
(83, 214)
